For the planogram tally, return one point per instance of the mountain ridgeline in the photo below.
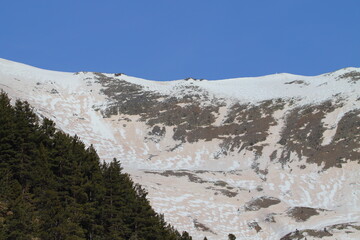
(53, 187)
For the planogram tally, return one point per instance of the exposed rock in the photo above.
(304, 131)
(202, 227)
(353, 76)
(192, 177)
(328, 231)
(297, 82)
(301, 214)
(255, 225)
(261, 202)
(270, 218)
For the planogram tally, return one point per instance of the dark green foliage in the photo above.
(53, 187)
(231, 236)
(185, 235)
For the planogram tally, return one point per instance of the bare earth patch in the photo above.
(302, 214)
(261, 202)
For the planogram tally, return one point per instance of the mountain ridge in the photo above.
(284, 78)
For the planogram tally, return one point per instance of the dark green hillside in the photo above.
(53, 187)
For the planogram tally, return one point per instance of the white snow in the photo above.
(249, 89)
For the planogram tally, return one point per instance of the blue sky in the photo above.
(175, 39)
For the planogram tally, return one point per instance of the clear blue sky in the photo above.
(175, 39)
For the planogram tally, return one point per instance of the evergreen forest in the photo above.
(54, 187)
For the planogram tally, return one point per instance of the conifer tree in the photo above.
(185, 236)
(231, 236)
(53, 187)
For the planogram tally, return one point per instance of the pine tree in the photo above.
(7, 143)
(231, 236)
(21, 223)
(185, 236)
(114, 210)
(53, 187)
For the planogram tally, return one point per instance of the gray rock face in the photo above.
(193, 116)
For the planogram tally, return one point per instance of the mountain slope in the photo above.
(257, 157)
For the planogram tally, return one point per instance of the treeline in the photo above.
(53, 187)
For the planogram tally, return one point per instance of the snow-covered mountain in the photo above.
(262, 158)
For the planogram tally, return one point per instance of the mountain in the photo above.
(262, 158)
